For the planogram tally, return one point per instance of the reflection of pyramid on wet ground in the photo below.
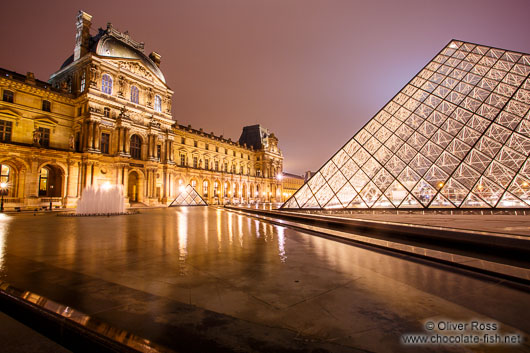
(457, 135)
(188, 197)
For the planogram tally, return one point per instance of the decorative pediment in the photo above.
(10, 113)
(46, 120)
(137, 68)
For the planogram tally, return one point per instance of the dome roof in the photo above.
(112, 47)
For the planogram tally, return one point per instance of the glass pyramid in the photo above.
(456, 136)
(188, 197)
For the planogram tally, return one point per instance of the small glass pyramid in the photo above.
(188, 197)
(456, 136)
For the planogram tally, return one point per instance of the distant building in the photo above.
(105, 117)
(308, 175)
(290, 184)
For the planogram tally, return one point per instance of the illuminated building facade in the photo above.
(290, 184)
(105, 117)
(456, 136)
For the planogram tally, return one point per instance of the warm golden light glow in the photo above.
(3, 185)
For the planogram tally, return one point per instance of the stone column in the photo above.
(127, 140)
(90, 140)
(97, 135)
(119, 140)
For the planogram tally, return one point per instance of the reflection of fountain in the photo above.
(104, 200)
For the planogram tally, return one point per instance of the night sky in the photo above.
(313, 72)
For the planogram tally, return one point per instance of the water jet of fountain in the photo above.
(106, 199)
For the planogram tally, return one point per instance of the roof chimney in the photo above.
(82, 34)
(155, 57)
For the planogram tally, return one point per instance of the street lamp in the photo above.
(3, 191)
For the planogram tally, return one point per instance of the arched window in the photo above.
(158, 103)
(136, 147)
(135, 94)
(216, 189)
(4, 173)
(205, 188)
(106, 84)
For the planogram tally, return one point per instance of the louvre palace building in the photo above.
(105, 117)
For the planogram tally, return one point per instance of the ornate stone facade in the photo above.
(105, 116)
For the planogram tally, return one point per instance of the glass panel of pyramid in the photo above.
(456, 136)
(188, 197)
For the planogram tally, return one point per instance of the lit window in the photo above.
(136, 147)
(193, 183)
(195, 162)
(8, 96)
(182, 159)
(4, 173)
(5, 130)
(43, 181)
(106, 112)
(216, 189)
(46, 106)
(158, 103)
(216, 165)
(206, 164)
(106, 84)
(135, 94)
(205, 188)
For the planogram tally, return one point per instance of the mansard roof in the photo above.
(117, 45)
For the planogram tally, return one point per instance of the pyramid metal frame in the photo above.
(188, 197)
(456, 136)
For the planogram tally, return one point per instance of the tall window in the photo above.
(46, 106)
(205, 188)
(195, 144)
(4, 173)
(105, 141)
(206, 146)
(226, 189)
(194, 184)
(135, 94)
(44, 137)
(195, 162)
(136, 147)
(216, 189)
(158, 103)
(5, 130)
(43, 181)
(83, 80)
(183, 140)
(106, 84)
(216, 165)
(182, 159)
(206, 164)
(8, 96)
(158, 151)
(106, 112)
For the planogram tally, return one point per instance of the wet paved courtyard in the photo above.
(181, 275)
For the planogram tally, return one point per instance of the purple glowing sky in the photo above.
(311, 71)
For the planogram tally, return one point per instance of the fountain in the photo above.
(104, 200)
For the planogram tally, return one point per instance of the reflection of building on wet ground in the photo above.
(163, 271)
(105, 116)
